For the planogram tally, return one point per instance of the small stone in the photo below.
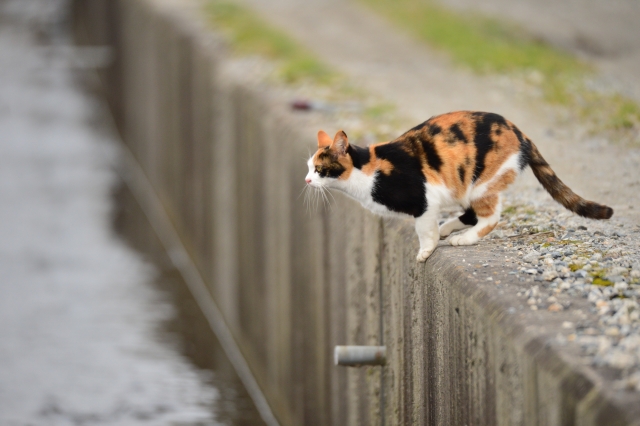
(604, 310)
(552, 299)
(534, 291)
(601, 303)
(555, 307)
(568, 324)
(621, 285)
(565, 285)
(531, 256)
(582, 228)
(635, 273)
(549, 275)
(581, 273)
(612, 331)
(531, 271)
(534, 307)
(556, 255)
(531, 301)
(615, 278)
(619, 359)
(619, 270)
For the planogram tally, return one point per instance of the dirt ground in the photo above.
(423, 83)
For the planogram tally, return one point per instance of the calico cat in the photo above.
(461, 158)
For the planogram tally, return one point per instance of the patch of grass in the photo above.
(249, 34)
(484, 44)
(508, 211)
(376, 112)
(487, 45)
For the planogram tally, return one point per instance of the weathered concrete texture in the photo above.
(225, 157)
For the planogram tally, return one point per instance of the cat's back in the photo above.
(464, 147)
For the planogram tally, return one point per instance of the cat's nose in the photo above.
(307, 180)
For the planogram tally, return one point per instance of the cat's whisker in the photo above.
(325, 191)
(304, 189)
(332, 197)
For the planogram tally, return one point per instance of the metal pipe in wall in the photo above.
(355, 356)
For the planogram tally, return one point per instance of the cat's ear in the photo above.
(340, 142)
(324, 140)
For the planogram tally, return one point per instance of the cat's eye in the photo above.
(318, 169)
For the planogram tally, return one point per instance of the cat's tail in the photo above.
(561, 192)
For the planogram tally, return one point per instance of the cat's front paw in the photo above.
(465, 239)
(423, 255)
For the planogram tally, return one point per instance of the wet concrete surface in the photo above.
(96, 326)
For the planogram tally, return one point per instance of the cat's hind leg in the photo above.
(487, 210)
(465, 220)
(427, 230)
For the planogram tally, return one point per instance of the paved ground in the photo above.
(423, 83)
(83, 316)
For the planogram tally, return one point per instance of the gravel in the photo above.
(562, 258)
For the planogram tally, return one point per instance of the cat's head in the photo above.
(331, 161)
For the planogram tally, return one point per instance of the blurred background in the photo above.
(96, 323)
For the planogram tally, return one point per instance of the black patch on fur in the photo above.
(594, 210)
(403, 190)
(525, 153)
(458, 134)
(482, 139)
(434, 129)
(461, 172)
(359, 156)
(433, 159)
(525, 148)
(498, 131)
(330, 166)
(469, 217)
(419, 126)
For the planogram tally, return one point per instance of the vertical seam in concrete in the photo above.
(381, 315)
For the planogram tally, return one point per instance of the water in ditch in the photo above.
(96, 326)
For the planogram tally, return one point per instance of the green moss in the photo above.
(602, 282)
(575, 267)
(509, 210)
(598, 278)
(249, 34)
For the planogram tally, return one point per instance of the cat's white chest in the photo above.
(360, 187)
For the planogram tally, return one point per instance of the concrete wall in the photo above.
(225, 156)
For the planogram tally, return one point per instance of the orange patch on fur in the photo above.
(376, 163)
(348, 166)
(485, 206)
(502, 182)
(484, 231)
(448, 120)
